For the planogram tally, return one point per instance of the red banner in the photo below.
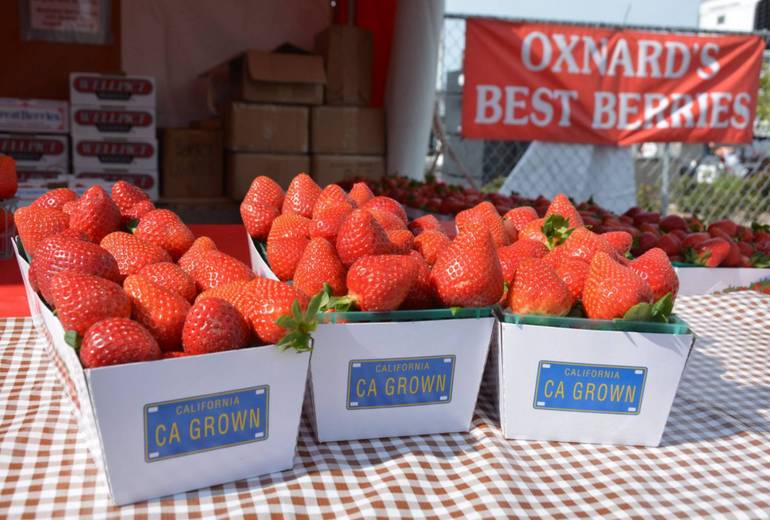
(548, 82)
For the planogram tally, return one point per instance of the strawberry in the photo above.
(81, 300)
(620, 240)
(258, 218)
(537, 289)
(164, 228)
(137, 211)
(331, 196)
(61, 253)
(214, 325)
(401, 241)
(56, 198)
(95, 214)
(424, 223)
(556, 256)
(126, 195)
(584, 243)
(387, 220)
(229, 292)
(430, 243)
(489, 219)
(289, 225)
(745, 234)
(727, 227)
(672, 222)
(327, 224)
(320, 264)
(114, 341)
(709, 253)
(533, 230)
(284, 254)
(132, 253)
(655, 268)
(361, 235)
(69, 206)
(561, 205)
(468, 273)
(733, 258)
(188, 260)
(573, 272)
(301, 196)
(389, 205)
(612, 289)
(520, 217)
(264, 191)
(263, 302)
(695, 239)
(215, 268)
(381, 282)
(510, 256)
(170, 276)
(422, 295)
(746, 248)
(670, 244)
(34, 224)
(361, 194)
(8, 179)
(162, 311)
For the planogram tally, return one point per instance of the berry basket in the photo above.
(7, 227)
(694, 279)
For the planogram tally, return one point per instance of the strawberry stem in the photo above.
(659, 312)
(556, 229)
(72, 339)
(299, 325)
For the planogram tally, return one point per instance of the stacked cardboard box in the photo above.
(192, 161)
(347, 138)
(113, 131)
(34, 133)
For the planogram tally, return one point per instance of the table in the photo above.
(714, 458)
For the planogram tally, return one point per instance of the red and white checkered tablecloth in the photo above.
(714, 459)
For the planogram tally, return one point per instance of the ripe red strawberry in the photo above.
(162, 311)
(387, 220)
(537, 289)
(34, 224)
(215, 268)
(327, 224)
(264, 191)
(132, 253)
(188, 260)
(646, 241)
(170, 276)
(289, 225)
(60, 253)
(560, 205)
(361, 235)
(401, 241)
(671, 244)
(95, 214)
(483, 216)
(695, 239)
(56, 198)
(164, 228)
(510, 256)
(611, 289)
(424, 223)
(584, 243)
(214, 325)
(263, 301)
(228, 292)
(331, 196)
(361, 194)
(138, 210)
(69, 206)
(620, 240)
(711, 252)
(81, 300)
(422, 295)
(672, 222)
(8, 179)
(114, 341)
(655, 268)
(555, 256)
(468, 273)
(727, 227)
(573, 272)
(381, 282)
(301, 196)
(533, 230)
(430, 243)
(520, 217)
(320, 264)
(126, 195)
(258, 218)
(283, 255)
(389, 205)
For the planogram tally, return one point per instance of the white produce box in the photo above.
(88, 88)
(707, 280)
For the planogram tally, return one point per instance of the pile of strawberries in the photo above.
(374, 259)
(130, 282)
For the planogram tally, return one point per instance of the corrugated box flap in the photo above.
(285, 68)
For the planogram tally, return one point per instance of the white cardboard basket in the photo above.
(707, 280)
(258, 264)
(173, 425)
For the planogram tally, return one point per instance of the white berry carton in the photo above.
(581, 380)
(258, 259)
(708, 280)
(398, 373)
(168, 426)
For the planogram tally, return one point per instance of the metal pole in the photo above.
(664, 178)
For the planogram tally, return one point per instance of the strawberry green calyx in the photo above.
(299, 325)
(131, 225)
(760, 260)
(556, 229)
(756, 226)
(72, 339)
(659, 312)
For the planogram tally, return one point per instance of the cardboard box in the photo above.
(328, 169)
(192, 163)
(88, 88)
(267, 77)
(100, 153)
(34, 182)
(84, 178)
(37, 116)
(347, 130)
(347, 53)
(253, 397)
(266, 128)
(612, 386)
(707, 280)
(243, 167)
(365, 385)
(36, 151)
(112, 121)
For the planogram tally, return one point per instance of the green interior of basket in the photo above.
(684, 264)
(406, 315)
(675, 325)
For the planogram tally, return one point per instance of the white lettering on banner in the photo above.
(595, 54)
(708, 57)
(741, 107)
(516, 107)
(649, 54)
(671, 55)
(526, 51)
(512, 103)
(565, 53)
(488, 96)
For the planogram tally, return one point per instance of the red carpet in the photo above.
(230, 238)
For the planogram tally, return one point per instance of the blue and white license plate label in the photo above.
(589, 388)
(386, 383)
(205, 422)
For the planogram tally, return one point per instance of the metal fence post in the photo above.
(664, 178)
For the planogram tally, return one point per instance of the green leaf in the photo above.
(662, 309)
(760, 260)
(296, 312)
(72, 339)
(131, 225)
(639, 312)
(556, 229)
(455, 310)
(756, 226)
(286, 322)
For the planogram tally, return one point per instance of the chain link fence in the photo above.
(710, 181)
